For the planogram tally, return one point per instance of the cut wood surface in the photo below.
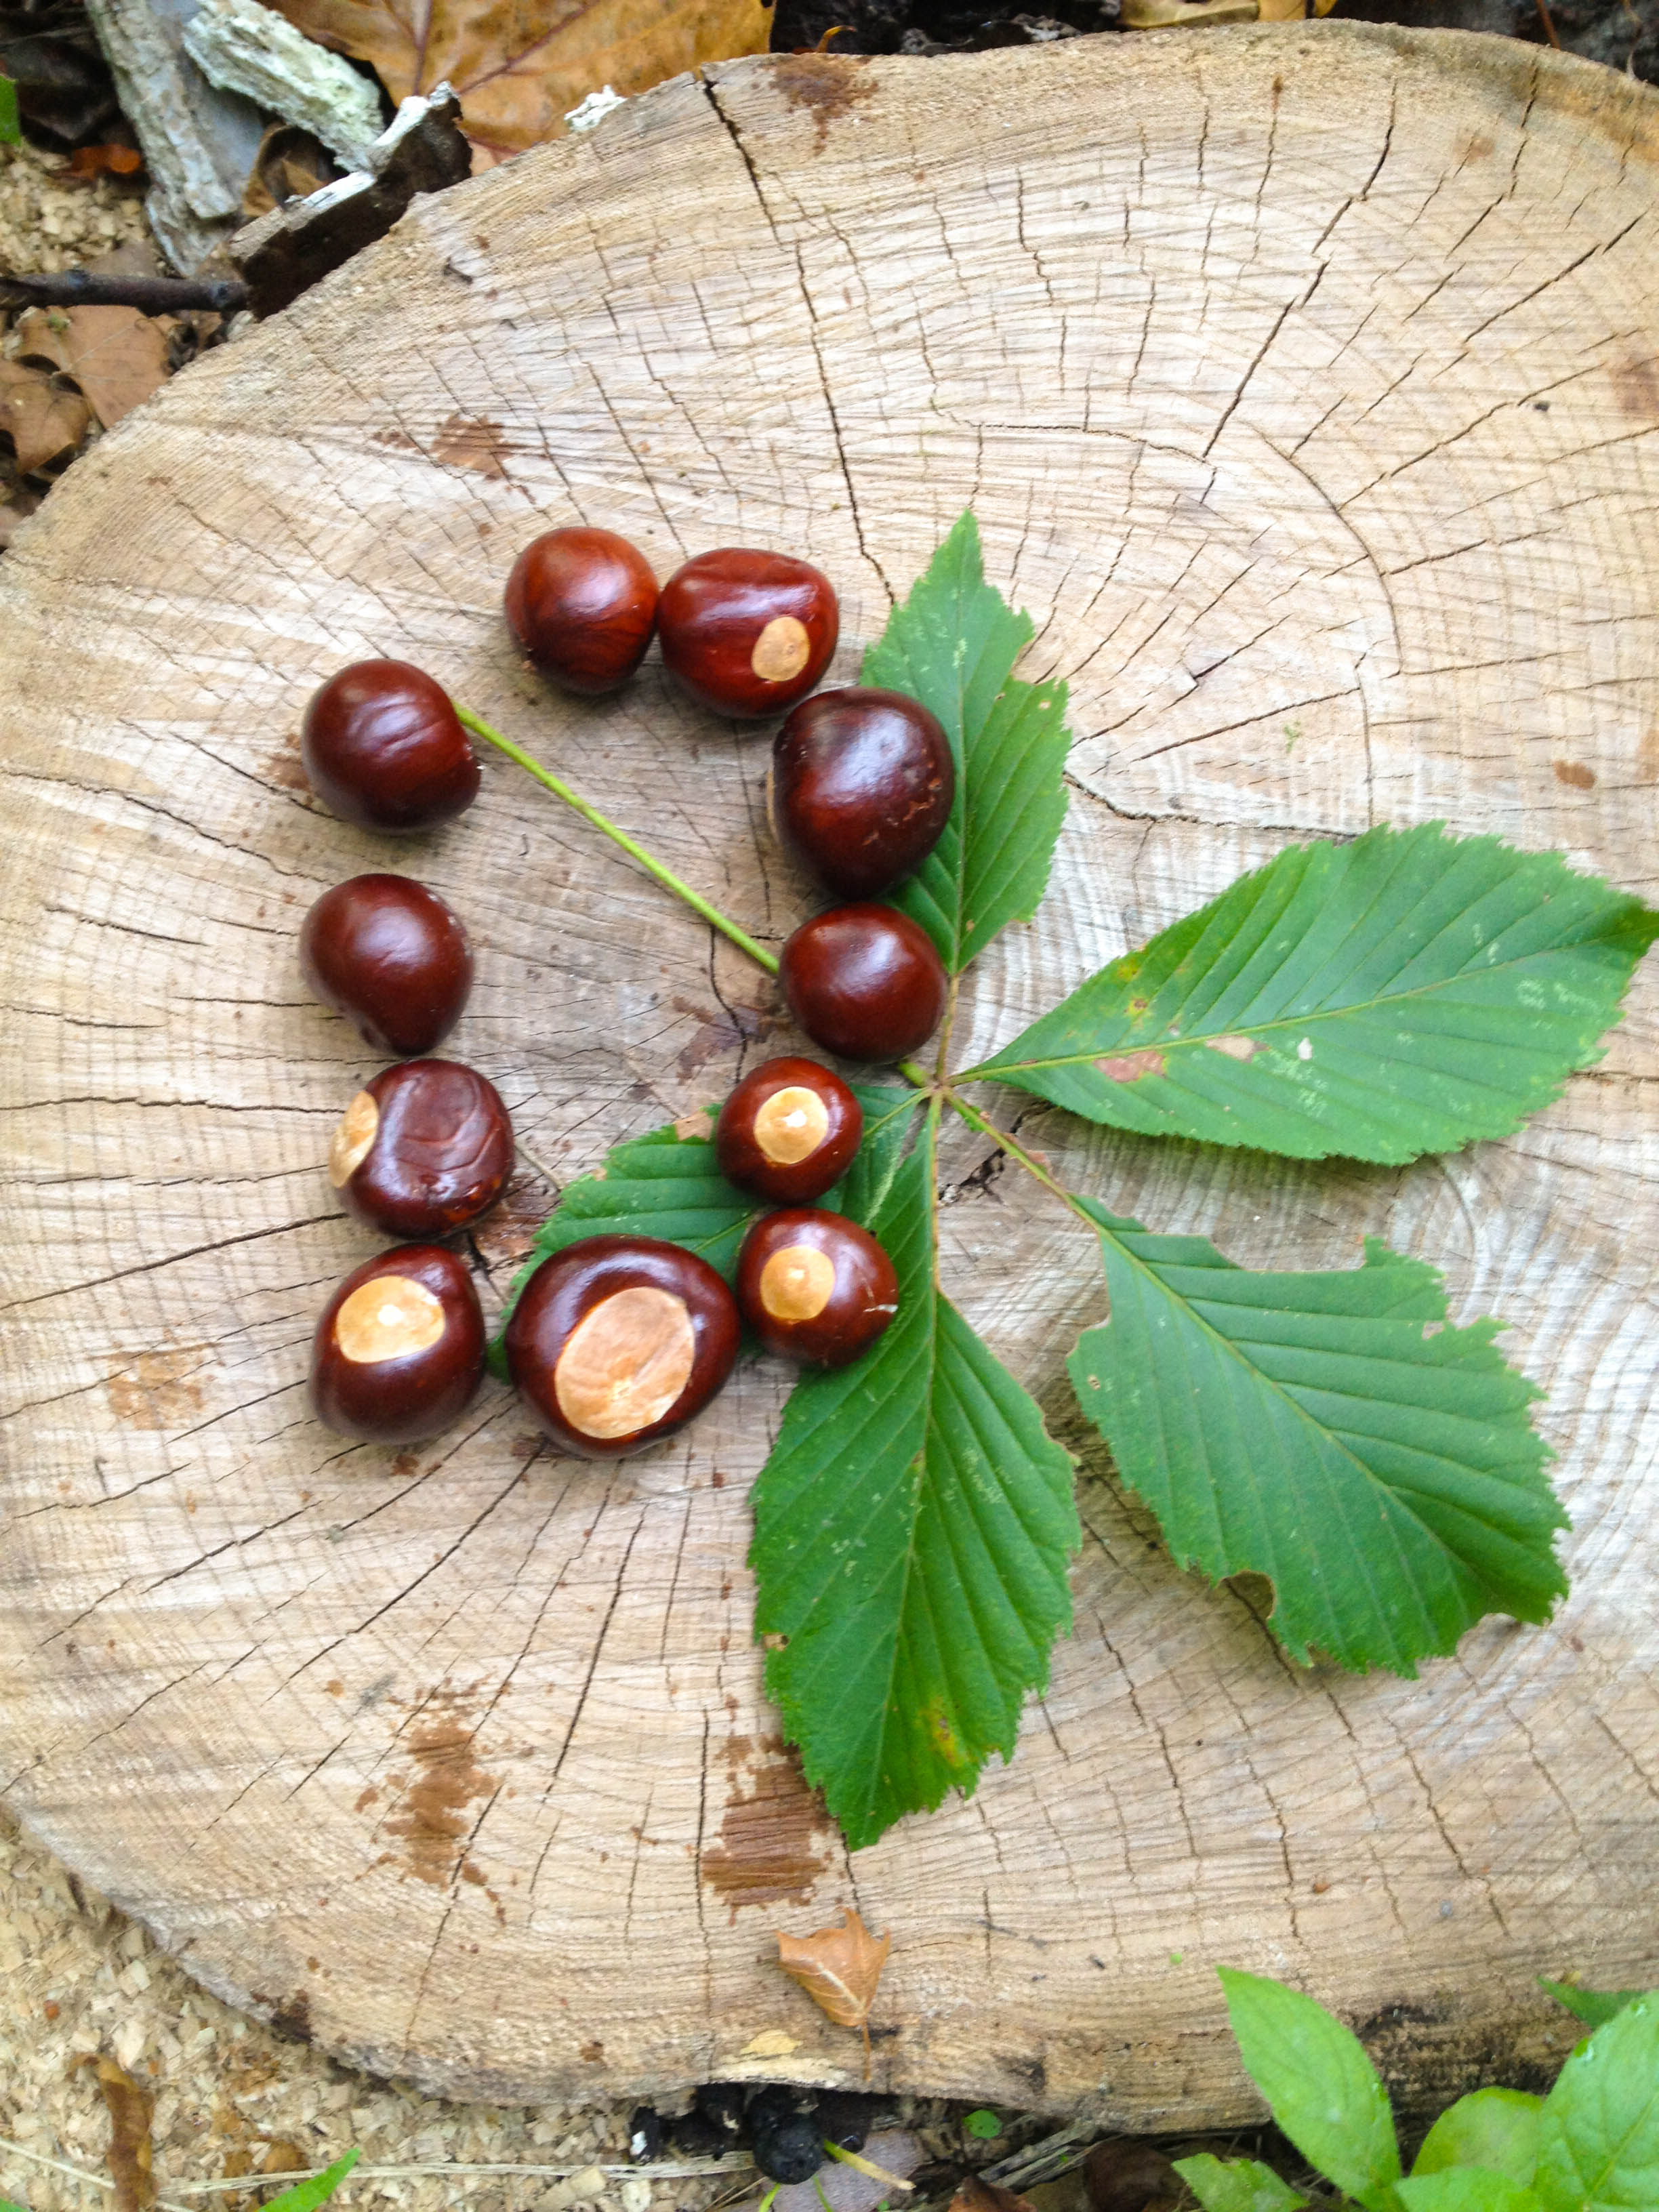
(1305, 382)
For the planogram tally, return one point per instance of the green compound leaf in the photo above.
(1598, 2141)
(1497, 2129)
(1323, 2090)
(1388, 1483)
(953, 645)
(1237, 2185)
(1595, 2008)
(11, 134)
(1405, 993)
(912, 1530)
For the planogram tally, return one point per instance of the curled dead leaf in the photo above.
(839, 1969)
(92, 161)
(44, 420)
(520, 66)
(130, 2155)
(974, 2195)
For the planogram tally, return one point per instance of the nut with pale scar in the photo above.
(617, 1341)
(788, 1131)
(747, 633)
(399, 1350)
(426, 1149)
(815, 1287)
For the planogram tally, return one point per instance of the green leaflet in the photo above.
(1598, 2141)
(1497, 2129)
(306, 2195)
(1323, 2090)
(1465, 2188)
(1237, 2185)
(10, 128)
(1389, 1484)
(1594, 2006)
(912, 1530)
(953, 645)
(1405, 993)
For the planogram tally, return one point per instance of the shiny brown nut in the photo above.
(814, 1286)
(425, 1149)
(787, 1132)
(617, 1341)
(862, 787)
(747, 633)
(401, 1348)
(383, 748)
(390, 956)
(583, 603)
(864, 981)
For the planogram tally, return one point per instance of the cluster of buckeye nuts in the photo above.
(616, 1341)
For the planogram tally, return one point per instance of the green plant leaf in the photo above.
(1594, 2006)
(1388, 1483)
(11, 134)
(953, 645)
(6, 2204)
(306, 2195)
(912, 1530)
(1493, 2128)
(1323, 2090)
(983, 2127)
(1598, 2141)
(1237, 2185)
(1405, 993)
(1465, 2188)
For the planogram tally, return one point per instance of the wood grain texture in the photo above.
(1304, 382)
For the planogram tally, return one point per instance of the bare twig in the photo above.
(1549, 24)
(151, 295)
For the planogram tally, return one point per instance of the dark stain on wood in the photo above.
(1574, 774)
(825, 86)
(432, 1820)
(774, 1841)
(156, 1391)
(480, 446)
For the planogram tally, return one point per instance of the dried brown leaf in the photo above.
(974, 2195)
(118, 358)
(521, 65)
(91, 161)
(44, 422)
(290, 165)
(838, 1968)
(130, 2109)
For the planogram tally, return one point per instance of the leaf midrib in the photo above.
(989, 1069)
(933, 1293)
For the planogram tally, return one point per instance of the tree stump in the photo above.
(1303, 381)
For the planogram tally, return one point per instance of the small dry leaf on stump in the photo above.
(520, 66)
(838, 1968)
(130, 2109)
